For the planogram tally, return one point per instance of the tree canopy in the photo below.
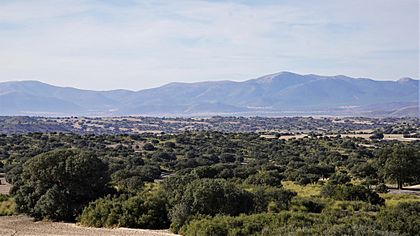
(57, 185)
(401, 164)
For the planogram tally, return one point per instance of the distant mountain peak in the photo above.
(273, 94)
(405, 80)
(283, 74)
(287, 73)
(24, 82)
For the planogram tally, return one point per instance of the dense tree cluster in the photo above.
(133, 125)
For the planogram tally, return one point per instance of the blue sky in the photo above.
(133, 44)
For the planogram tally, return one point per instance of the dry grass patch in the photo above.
(7, 205)
(392, 200)
(309, 190)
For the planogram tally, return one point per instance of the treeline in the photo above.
(123, 125)
(213, 183)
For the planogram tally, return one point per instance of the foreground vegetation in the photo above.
(7, 205)
(213, 183)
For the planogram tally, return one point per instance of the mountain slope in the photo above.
(271, 94)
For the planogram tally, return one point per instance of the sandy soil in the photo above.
(412, 190)
(268, 136)
(405, 191)
(398, 137)
(4, 186)
(296, 136)
(413, 187)
(23, 225)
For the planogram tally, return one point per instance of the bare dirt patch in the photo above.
(4, 186)
(405, 191)
(23, 225)
(296, 136)
(412, 190)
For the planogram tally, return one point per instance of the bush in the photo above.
(164, 156)
(339, 178)
(145, 210)
(310, 205)
(271, 178)
(228, 158)
(381, 188)
(352, 193)
(149, 147)
(7, 205)
(170, 144)
(271, 199)
(355, 206)
(103, 212)
(210, 197)
(377, 136)
(257, 224)
(403, 218)
(127, 181)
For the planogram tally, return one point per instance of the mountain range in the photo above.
(277, 94)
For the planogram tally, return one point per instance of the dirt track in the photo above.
(405, 191)
(23, 225)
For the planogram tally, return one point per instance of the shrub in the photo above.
(145, 210)
(210, 197)
(377, 135)
(7, 205)
(272, 199)
(170, 144)
(339, 178)
(257, 224)
(352, 193)
(313, 205)
(149, 147)
(272, 178)
(103, 212)
(403, 218)
(381, 188)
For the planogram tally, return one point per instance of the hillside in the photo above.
(283, 93)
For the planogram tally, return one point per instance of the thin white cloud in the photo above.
(139, 44)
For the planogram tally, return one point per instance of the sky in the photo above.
(110, 44)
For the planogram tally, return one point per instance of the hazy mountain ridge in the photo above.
(271, 94)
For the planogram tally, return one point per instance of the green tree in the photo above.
(210, 197)
(149, 147)
(377, 135)
(402, 164)
(57, 185)
(271, 199)
(351, 192)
